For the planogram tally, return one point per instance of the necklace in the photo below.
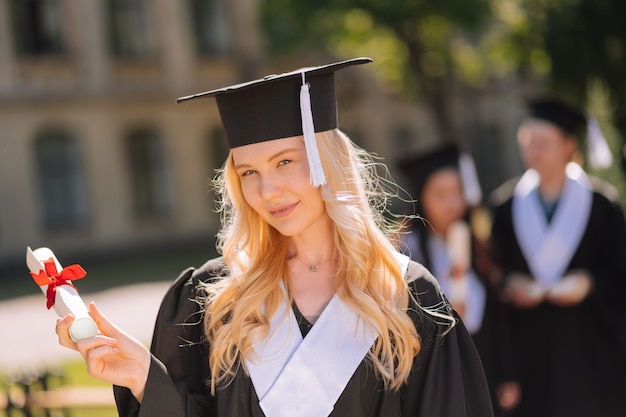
(311, 268)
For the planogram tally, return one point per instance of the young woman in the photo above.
(444, 241)
(310, 311)
(560, 239)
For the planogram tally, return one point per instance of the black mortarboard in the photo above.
(299, 102)
(269, 108)
(418, 168)
(558, 112)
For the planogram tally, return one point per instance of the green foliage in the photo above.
(397, 33)
(571, 41)
(599, 106)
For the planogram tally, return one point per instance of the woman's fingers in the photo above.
(63, 331)
(90, 343)
(112, 355)
(105, 326)
(97, 351)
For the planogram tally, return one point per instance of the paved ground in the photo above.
(29, 343)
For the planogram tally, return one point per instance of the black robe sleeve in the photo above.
(179, 353)
(447, 379)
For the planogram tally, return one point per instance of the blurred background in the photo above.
(99, 163)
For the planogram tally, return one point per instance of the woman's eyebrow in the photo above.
(271, 158)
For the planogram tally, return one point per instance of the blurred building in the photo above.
(95, 156)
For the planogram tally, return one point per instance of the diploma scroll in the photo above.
(459, 243)
(56, 283)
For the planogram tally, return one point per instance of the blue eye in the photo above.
(285, 162)
(248, 172)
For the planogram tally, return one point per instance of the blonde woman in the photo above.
(310, 311)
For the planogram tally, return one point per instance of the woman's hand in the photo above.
(112, 356)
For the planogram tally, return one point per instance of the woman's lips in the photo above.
(283, 210)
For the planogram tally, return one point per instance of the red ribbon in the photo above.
(53, 278)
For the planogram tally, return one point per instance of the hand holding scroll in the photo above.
(112, 356)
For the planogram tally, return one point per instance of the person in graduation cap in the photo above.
(310, 311)
(443, 238)
(559, 238)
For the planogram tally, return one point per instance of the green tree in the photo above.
(413, 41)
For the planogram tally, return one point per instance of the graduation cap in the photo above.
(300, 102)
(419, 168)
(573, 121)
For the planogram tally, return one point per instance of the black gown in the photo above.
(493, 339)
(447, 379)
(570, 358)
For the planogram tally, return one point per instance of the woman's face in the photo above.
(442, 199)
(275, 182)
(544, 147)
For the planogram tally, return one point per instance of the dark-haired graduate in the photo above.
(444, 238)
(310, 311)
(560, 239)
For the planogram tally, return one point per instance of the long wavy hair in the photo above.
(369, 279)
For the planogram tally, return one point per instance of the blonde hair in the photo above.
(370, 280)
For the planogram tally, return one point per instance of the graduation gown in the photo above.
(570, 359)
(492, 337)
(446, 380)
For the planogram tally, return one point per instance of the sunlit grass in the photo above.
(76, 375)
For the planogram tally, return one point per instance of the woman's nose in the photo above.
(271, 187)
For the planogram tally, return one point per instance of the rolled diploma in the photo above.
(67, 300)
(459, 248)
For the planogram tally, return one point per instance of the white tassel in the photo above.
(315, 164)
(598, 150)
(469, 177)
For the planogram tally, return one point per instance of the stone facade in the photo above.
(94, 153)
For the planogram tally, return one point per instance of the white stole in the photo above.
(549, 248)
(300, 377)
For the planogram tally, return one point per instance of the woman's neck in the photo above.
(314, 246)
(312, 266)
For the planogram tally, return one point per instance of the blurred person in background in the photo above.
(559, 239)
(444, 238)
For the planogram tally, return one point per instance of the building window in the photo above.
(62, 185)
(37, 27)
(129, 29)
(149, 177)
(209, 27)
